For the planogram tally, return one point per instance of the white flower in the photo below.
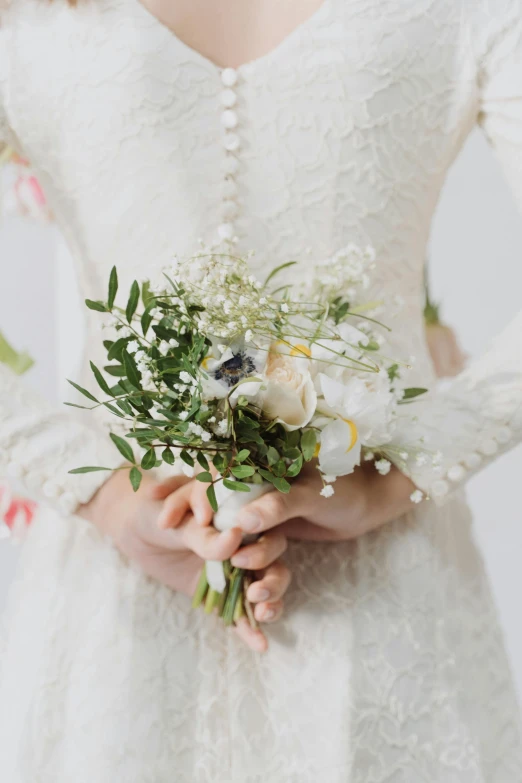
(222, 428)
(206, 436)
(340, 448)
(183, 415)
(163, 347)
(383, 466)
(133, 346)
(248, 335)
(417, 496)
(329, 479)
(173, 343)
(285, 308)
(289, 396)
(185, 377)
(327, 491)
(125, 332)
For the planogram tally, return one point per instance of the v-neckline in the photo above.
(275, 51)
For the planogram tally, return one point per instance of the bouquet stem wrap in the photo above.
(230, 504)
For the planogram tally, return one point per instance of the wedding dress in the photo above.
(389, 664)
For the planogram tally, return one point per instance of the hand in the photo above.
(446, 354)
(175, 557)
(363, 501)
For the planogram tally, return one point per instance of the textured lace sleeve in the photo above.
(40, 443)
(479, 415)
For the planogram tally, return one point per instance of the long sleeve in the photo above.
(40, 443)
(479, 415)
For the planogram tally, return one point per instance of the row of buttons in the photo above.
(231, 142)
(457, 473)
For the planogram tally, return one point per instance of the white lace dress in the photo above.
(389, 665)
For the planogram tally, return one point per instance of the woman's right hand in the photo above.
(175, 557)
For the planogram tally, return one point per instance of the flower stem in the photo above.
(201, 589)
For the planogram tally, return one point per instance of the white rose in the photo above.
(288, 396)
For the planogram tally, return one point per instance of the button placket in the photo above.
(231, 143)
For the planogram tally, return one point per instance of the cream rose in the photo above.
(288, 396)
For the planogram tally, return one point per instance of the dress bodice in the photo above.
(342, 133)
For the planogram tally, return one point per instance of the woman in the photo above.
(291, 126)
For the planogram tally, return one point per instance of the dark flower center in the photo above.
(235, 369)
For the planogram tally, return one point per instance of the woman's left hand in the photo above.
(362, 501)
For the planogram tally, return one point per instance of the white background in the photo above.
(476, 261)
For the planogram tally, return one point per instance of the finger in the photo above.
(175, 507)
(268, 612)
(208, 543)
(162, 489)
(254, 639)
(262, 553)
(272, 586)
(301, 530)
(273, 508)
(199, 502)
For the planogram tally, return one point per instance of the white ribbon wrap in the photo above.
(230, 504)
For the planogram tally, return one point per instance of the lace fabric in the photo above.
(389, 665)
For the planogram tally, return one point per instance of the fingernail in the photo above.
(241, 561)
(269, 614)
(263, 595)
(250, 522)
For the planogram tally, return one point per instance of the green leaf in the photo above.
(146, 296)
(135, 478)
(187, 459)
(168, 457)
(278, 269)
(134, 298)
(236, 486)
(81, 407)
(116, 370)
(131, 370)
(308, 443)
(114, 410)
(295, 468)
(102, 383)
(149, 460)
(412, 392)
(242, 455)
(98, 306)
(279, 483)
(393, 372)
(211, 495)
(76, 471)
(17, 362)
(83, 391)
(113, 287)
(123, 447)
(115, 351)
(243, 471)
(272, 456)
(205, 477)
(146, 318)
(203, 461)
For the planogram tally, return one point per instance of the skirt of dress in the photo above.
(388, 667)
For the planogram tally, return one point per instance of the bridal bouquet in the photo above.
(242, 382)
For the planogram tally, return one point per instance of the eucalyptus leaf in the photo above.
(243, 471)
(77, 471)
(205, 477)
(308, 443)
(83, 391)
(102, 383)
(123, 447)
(149, 460)
(135, 478)
(113, 287)
(134, 298)
(236, 486)
(98, 306)
(211, 495)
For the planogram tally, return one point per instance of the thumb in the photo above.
(274, 508)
